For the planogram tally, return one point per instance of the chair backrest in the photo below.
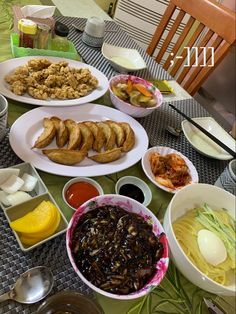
(203, 43)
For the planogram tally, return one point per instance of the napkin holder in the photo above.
(18, 14)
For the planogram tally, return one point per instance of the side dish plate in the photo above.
(205, 145)
(164, 151)
(7, 67)
(27, 128)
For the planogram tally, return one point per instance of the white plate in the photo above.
(204, 144)
(164, 151)
(28, 127)
(9, 66)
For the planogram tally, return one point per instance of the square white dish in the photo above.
(204, 144)
(123, 59)
(26, 167)
(14, 212)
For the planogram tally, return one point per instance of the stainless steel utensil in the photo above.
(32, 286)
(213, 308)
(174, 131)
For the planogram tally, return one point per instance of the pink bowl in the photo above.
(126, 107)
(131, 206)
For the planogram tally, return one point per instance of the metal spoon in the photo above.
(31, 286)
(174, 131)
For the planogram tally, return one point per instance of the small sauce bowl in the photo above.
(134, 188)
(79, 190)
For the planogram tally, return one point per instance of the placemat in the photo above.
(155, 125)
(93, 56)
(15, 262)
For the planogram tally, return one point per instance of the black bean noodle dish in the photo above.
(115, 250)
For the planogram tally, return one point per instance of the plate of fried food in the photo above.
(168, 169)
(51, 81)
(89, 140)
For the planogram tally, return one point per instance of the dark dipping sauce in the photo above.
(132, 191)
(115, 250)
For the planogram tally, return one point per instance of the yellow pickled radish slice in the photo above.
(31, 239)
(47, 233)
(36, 221)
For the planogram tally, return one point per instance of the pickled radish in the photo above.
(3, 198)
(5, 174)
(13, 184)
(29, 182)
(18, 197)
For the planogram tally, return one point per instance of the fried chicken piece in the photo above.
(22, 70)
(18, 88)
(43, 79)
(10, 79)
(38, 64)
(38, 93)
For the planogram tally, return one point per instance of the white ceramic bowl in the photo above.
(139, 183)
(204, 144)
(123, 59)
(164, 151)
(126, 107)
(131, 206)
(80, 179)
(186, 199)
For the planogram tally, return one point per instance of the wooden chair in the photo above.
(209, 24)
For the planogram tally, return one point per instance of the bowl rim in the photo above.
(133, 180)
(169, 215)
(193, 170)
(157, 97)
(136, 294)
(71, 293)
(80, 179)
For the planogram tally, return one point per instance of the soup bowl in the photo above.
(192, 196)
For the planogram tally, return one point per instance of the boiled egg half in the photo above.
(211, 247)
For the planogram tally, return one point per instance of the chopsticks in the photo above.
(212, 137)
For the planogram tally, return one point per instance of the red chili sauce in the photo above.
(80, 192)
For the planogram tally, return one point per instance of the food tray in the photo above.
(22, 52)
(39, 194)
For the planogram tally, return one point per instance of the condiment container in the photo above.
(28, 31)
(134, 188)
(94, 32)
(43, 36)
(60, 41)
(79, 190)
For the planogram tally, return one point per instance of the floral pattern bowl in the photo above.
(126, 107)
(131, 206)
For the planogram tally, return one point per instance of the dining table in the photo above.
(175, 294)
